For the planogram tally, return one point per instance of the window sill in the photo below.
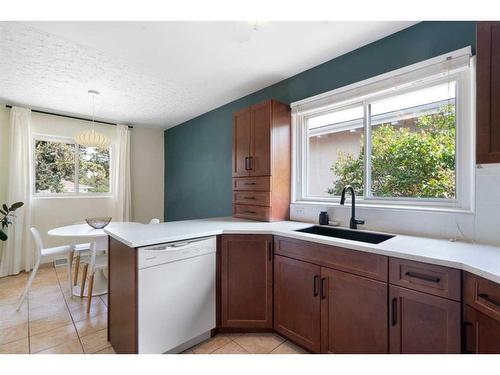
(41, 197)
(387, 206)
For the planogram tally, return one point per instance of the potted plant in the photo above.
(7, 213)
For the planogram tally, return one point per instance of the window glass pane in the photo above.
(413, 144)
(93, 173)
(54, 167)
(335, 152)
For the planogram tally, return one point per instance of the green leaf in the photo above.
(15, 206)
(3, 236)
(3, 212)
(4, 206)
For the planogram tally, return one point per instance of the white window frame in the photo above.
(76, 193)
(457, 65)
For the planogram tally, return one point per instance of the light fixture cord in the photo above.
(93, 113)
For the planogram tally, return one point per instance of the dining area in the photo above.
(61, 305)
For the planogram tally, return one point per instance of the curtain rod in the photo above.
(72, 117)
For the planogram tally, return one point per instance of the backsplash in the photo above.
(482, 226)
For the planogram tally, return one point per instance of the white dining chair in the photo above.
(40, 253)
(96, 263)
(154, 221)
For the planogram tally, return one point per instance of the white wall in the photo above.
(147, 169)
(482, 226)
(146, 165)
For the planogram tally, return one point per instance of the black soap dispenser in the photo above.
(323, 218)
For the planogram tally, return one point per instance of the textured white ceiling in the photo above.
(163, 73)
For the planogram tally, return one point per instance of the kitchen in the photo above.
(347, 205)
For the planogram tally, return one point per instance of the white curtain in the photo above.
(122, 176)
(18, 254)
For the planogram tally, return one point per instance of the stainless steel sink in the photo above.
(346, 234)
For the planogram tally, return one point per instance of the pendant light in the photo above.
(92, 138)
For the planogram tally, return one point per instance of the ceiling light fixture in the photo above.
(92, 138)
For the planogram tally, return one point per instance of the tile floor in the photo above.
(52, 322)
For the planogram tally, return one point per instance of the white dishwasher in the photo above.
(176, 295)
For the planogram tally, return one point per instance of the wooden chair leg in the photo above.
(84, 278)
(90, 289)
(77, 268)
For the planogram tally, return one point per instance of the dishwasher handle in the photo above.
(172, 247)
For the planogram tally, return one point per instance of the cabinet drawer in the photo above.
(251, 212)
(357, 262)
(262, 198)
(429, 278)
(482, 294)
(252, 184)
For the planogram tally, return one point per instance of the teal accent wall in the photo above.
(198, 151)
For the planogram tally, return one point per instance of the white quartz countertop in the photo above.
(482, 260)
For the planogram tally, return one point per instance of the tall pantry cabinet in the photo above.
(261, 162)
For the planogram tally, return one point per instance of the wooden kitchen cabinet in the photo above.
(421, 323)
(241, 142)
(297, 304)
(481, 333)
(353, 314)
(481, 315)
(246, 278)
(261, 160)
(488, 92)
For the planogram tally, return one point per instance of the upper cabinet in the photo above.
(241, 142)
(261, 161)
(488, 92)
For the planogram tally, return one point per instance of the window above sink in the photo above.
(404, 138)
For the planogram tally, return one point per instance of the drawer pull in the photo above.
(422, 276)
(394, 311)
(253, 198)
(488, 299)
(250, 183)
(250, 212)
(315, 285)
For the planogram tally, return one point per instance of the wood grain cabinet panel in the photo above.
(353, 314)
(261, 158)
(246, 281)
(420, 323)
(241, 142)
(488, 92)
(481, 333)
(482, 294)
(258, 184)
(256, 198)
(437, 280)
(297, 302)
(122, 297)
(364, 264)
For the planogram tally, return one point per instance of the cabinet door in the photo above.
(421, 323)
(488, 92)
(260, 163)
(241, 143)
(482, 333)
(297, 301)
(353, 314)
(246, 281)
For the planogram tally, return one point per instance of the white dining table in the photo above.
(79, 233)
